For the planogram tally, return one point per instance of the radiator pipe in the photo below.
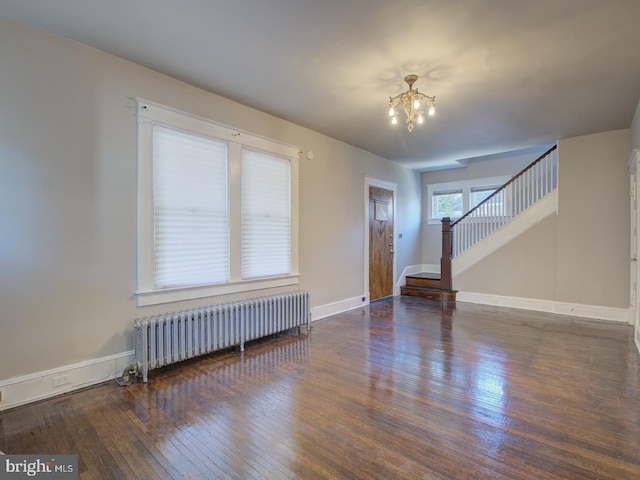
(129, 375)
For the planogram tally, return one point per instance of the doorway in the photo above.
(381, 241)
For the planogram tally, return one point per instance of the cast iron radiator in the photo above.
(169, 338)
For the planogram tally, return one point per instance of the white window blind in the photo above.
(479, 194)
(266, 215)
(447, 204)
(190, 201)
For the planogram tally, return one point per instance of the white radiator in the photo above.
(165, 339)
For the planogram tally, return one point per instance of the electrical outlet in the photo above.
(61, 380)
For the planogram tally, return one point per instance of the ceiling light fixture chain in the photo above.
(412, 101)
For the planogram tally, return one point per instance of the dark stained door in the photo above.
(381, 245)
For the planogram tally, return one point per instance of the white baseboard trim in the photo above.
(430, 268)
(29, 388)
(408, 270)
(323, 311)
(36, 386)
(412, 269)
(562, 308)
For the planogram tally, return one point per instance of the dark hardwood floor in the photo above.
(400, 389)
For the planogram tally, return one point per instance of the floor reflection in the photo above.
(403, 368)
(203, 404)
(401, 389)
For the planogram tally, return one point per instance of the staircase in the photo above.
(427, 285)
(528, 188)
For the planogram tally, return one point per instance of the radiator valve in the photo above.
(129, 375)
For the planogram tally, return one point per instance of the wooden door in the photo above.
(381, 243)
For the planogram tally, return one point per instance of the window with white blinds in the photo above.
(453, 199)
(190, 209)
(266, 215)
(217, 208)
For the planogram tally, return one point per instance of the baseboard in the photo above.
(412, 269)
(323, 311)
(30, 388)
(430, 268)
(637, 338)
(408, 270)
(25, 389)
(562, 308)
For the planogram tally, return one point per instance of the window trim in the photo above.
(466, 186)
(149, 114)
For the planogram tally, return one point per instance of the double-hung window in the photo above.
(217, 208)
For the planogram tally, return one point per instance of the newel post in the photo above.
(445, 261)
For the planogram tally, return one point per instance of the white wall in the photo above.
(68, 209)
(580, 257)
(593, 220)
(523, 268)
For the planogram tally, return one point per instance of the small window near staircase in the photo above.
(454, 199)
(447, 204)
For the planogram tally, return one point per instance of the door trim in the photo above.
(374, 182)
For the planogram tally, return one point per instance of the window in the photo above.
(454, 199)
(190, 209)
(447, 203)
(217, 208)
(266, 215)
(480, 194)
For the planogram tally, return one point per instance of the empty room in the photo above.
(319, 239)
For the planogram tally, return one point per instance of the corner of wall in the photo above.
(323, 311)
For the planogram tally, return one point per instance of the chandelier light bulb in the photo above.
(411, 102)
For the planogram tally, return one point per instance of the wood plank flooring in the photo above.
(400, 389)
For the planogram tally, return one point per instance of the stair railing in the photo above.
(531, 184)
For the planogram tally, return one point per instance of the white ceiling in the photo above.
(508, 74)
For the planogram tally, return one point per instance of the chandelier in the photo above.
(413, 102)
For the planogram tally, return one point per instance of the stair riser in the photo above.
(439, 296)
(423, 282)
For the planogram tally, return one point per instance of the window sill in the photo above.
(168, 295)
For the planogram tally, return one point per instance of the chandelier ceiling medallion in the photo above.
(413, 102)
